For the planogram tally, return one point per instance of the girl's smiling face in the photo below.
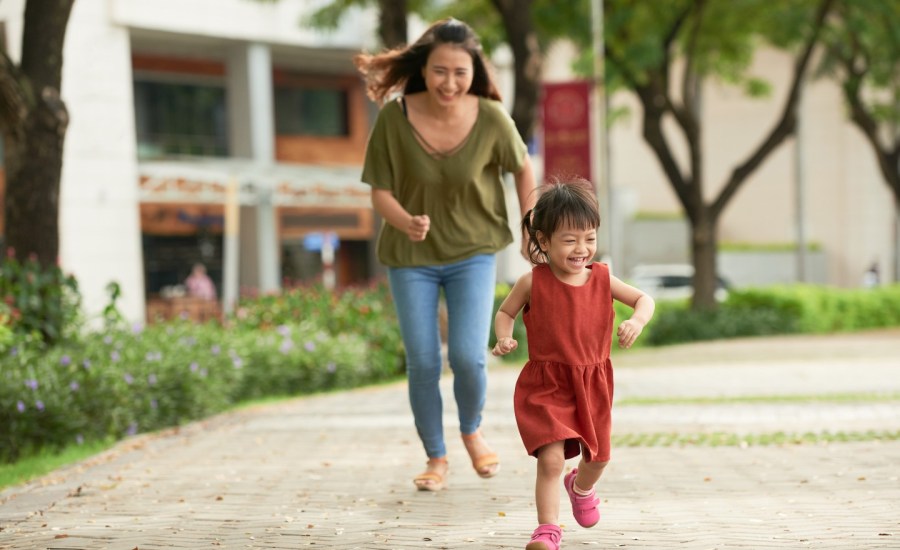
(569, 249)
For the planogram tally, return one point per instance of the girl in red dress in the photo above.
(564, 393)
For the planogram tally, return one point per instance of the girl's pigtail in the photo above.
(534, 251)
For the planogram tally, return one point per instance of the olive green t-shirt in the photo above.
(462, 193)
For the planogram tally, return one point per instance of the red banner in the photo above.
(565, 109)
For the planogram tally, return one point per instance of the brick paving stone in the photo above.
(334, 471)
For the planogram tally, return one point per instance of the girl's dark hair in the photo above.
(401, 68)
(571, 202)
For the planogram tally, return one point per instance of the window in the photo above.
(311, 111)
(180, 118)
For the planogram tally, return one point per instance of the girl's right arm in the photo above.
(506, 315)
(384, 202)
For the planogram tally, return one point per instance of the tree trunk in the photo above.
(34, 121)
(33, 173)
(704, 245)
(392, 26)
(522, 38)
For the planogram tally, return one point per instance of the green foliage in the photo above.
(6, 331)
(124, 380)
(766, 247)
(726, 439)
(41, 301)
(673, 325)
(862, 45)
(779, 310)
(366, 311)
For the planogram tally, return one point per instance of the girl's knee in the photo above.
(551, 460)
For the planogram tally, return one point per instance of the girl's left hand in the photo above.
(628, 332)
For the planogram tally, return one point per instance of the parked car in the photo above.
(671, 281)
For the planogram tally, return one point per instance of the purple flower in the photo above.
(215, 350)
(87, 364)
(128, 378)
(74, 386)
(32, 383)
(20, 406)
(137, 328)
(194, 366)
(39, 405)
(151, 379)
(14, 351)
(65, 360)
(132, 429)
(286, 346)
(115, 355)
(154, 404)
(284, 330)
(309, 346)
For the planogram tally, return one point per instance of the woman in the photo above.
(435, 160)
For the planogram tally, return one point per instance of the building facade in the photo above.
(214, 131)
(227, 133)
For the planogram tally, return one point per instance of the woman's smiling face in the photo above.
(448, 73)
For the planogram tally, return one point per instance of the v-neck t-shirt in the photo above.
(462, 192)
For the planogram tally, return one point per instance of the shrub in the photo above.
(129, 379)
(366, 311)
(778, 310)
(40, 300)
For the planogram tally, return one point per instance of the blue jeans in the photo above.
(469, 292)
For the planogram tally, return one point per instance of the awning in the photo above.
(204, 181)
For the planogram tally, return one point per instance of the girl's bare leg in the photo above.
(588, 474)
(550, 464)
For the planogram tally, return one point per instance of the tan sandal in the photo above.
(431, 480)
(486, 465)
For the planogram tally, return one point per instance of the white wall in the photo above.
(99, 217)
(250, 20)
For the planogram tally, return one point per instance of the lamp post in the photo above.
(600, 164)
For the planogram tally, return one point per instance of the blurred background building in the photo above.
(225, 132)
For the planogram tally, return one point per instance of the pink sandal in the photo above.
(584, 507)
(546, 537)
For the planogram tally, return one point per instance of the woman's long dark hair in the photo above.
(571, 202)
(401, 68)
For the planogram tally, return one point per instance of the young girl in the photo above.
(564, 394)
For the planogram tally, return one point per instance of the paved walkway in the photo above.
(334, 471)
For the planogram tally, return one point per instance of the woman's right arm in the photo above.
(389, 208)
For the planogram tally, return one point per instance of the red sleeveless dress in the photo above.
(565, 391)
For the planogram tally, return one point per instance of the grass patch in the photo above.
(725, 439)
(763, 399)
(47, 461)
